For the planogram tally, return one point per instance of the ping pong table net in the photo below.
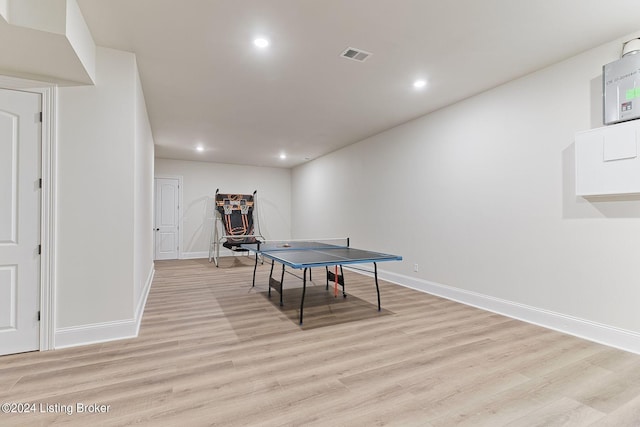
(235, 223)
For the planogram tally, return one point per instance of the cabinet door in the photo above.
(607, 161)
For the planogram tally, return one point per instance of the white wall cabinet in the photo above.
(607, 161)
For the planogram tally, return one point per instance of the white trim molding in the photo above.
(48, 218)
(194, 255)
(203, 254)
(597, 332)
(107, 331)
(48, 144)
(143, 299)
(95, 333)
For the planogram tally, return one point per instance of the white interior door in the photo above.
(19, 221)
(167, 216)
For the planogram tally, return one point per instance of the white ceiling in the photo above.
(205, 83)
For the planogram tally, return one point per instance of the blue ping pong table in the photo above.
(304, 255)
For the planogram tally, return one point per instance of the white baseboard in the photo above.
(95, 333)
(197, 255)
(586, 329)
(143, 299)
(107, 331)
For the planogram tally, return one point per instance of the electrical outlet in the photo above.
(415, 267)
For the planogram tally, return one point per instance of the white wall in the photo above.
(49, 16)
(47, 41)
(103, 229)
(200, 181)
(4, 9)
(143, 200)
(481, 196)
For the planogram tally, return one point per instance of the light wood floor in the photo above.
(213, 351)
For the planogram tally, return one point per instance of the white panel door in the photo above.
(19, 221)
(167, 218)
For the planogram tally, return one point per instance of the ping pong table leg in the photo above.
(270, 275)
(375, 273)
(281, 285)
(304, 288)
(255, 267)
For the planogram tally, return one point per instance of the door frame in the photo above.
(180, 211)
(48, 142)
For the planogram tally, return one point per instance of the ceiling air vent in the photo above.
(355, 54)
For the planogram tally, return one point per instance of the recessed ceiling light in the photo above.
(200, 148)
(261, 42)
(283, 156)
(419, 84)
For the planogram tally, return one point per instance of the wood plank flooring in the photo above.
(212, 351)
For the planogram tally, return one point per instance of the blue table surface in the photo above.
(312, 254)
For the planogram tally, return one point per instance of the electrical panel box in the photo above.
(621, 88)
